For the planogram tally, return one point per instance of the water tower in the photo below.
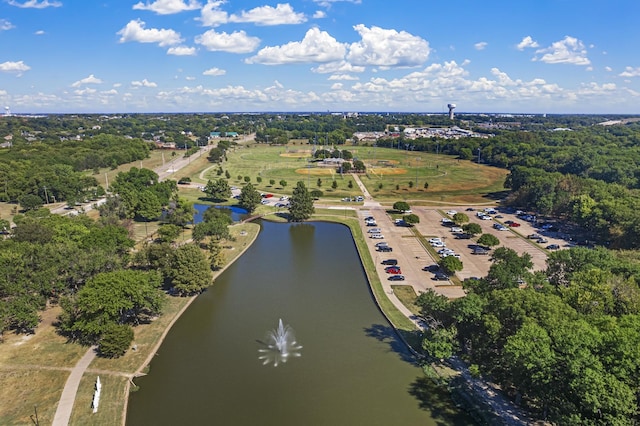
(451, 108)
(7, 111)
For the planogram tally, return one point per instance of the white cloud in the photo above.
(39, 32)
(481, 45)
(85, 91)
(608, 69)
(316, 46)
(527, 42)
(569, 50)
(117, 84)
(87, 80)
(211, 15)
(181, 51)
(343, 77)
(143, 83)
(135, 31)
(214, 72)
(387, 48)
(337, 67)
(5, 25)
(17, 68)
(35, 4)
(236, 42)
(189, 78)
(109, 92)
(319, 14)
(282, 14)
(167, 7)
(328, 3)
(630, 72)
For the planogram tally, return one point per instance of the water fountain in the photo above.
(280, 344)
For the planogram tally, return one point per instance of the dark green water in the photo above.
(352, 370)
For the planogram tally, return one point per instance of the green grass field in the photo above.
(391, 174)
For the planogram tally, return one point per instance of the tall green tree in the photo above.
(190, 270)
(301, 207)
(218, 189)
(249, 198)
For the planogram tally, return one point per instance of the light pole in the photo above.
(46, 195)
(478, 155)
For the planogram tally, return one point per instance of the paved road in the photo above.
(68, 397)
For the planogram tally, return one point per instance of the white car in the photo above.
(376, 236)
(486, 217)
(452, 212)
(456, 229)
(374, 231)
(284, 198)
(438, 244)
(434, 240)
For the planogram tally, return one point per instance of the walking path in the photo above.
(65, 405)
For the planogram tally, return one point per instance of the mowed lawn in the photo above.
(391, 174)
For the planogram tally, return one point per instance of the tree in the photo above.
(472, 228)
(30, 202)
(190, 270)
(272, 182)
(450, 264)
(118, 297)
(411, 219)
(359, 166)
(334, 185)
(168, 232)
(410, 184)
(218, 189)
(426, 185)
(115, 340)
(460, 218)
(350, 184)
(319, 182)
(249, 198)
(401, 206)
(316, 194)
(488, 240)
(283, 183)
(247, 179)
(301, 207)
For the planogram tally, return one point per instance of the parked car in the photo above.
(437, 244)
(440, 276)
(456, 229)
(374, 230)
(393, 270)
(385, 249)
(480, 250)
(470, 209)
(533, 236)
(372, 223)
(452, 212)
(542, 240)
(514, 224)
(431, 268)
(486, 217)
(464, 236)
(553, 247)
(396, 278)
(284, 198)
(376, 236)
(382, 244)
(390, 262)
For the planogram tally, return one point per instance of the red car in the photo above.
(393, 270)
(514, 224)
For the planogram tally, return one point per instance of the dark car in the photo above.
(480, 250)
(470, 209)
(440, 276)
(553, 247)
(396, 278)
(431, 268)
(385, 249)
(393, 270)
(390, 262)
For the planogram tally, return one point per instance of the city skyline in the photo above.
(551, 56)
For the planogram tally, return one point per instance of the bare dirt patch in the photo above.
(296, 154)
(316, 172)
(387, 171)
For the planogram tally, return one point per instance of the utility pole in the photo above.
(478, 155)
(45, 194)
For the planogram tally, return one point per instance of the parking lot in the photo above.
(413, 257)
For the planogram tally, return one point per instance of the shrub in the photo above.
(115, 340)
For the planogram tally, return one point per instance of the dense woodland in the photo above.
(567, 344)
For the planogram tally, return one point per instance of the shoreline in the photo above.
(154, 351)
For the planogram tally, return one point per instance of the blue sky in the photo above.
(519, 56)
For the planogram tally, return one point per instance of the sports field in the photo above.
(391, 174)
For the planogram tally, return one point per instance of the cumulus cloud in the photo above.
(527, 42)
(135, 31)
(387, 48)
(214, 72)
(167, 7)
(35, 4)
(85, 91)
(630, 72)
(343, 77)
(328, 3)
(337, 67)
(5, 25)
(17, 68)
(181, 51)
(316, 46)
(267, 15)
(211, 15)
(480, 45)
(92, 79)
(319, 14)
(569, 50)
(143, 83)
(236, 42)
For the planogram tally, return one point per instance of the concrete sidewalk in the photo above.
(65, 405)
